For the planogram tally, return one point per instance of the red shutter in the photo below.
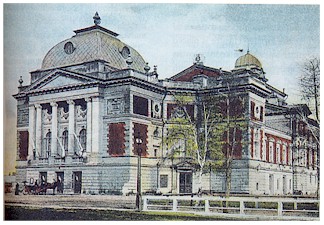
(275, 152)
(281, 156)
(23, 144)
(116, 139)
(238, 147)
(287, 154)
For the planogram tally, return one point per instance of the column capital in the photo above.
(53, 104)
(88, 99)
(38, 106)
(70, 102)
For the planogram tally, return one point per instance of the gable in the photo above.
(188, 74)
(60, 81)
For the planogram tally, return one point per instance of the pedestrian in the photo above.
(17, 189)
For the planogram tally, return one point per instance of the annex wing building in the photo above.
(79, 117)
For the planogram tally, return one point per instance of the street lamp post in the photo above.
(139, 141)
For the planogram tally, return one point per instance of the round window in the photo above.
(125, 52)
(156, 108)
(69, 48)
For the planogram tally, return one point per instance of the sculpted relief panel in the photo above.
(116, 105)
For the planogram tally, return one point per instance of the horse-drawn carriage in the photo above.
(39, 189)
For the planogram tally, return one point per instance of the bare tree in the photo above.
(310, 83)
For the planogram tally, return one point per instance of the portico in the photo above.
(44, 147)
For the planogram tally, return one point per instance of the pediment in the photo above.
(59, 79)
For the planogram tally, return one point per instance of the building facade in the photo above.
(78, 120)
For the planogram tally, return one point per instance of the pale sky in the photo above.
(166, 35)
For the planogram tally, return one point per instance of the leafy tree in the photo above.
(213, 138)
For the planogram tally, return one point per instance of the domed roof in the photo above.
(93, 43)
(247, 60)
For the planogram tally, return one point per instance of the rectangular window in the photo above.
(261, 114)
(140, 105)
(175, 111)
(163, 181)
(252, 109)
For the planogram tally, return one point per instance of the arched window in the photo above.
(48, 140)
(65, 140)
(284, 154)
(83, 138)
(271, 152)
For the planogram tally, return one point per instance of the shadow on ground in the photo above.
(28, 213)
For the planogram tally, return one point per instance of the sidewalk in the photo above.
(72, 201)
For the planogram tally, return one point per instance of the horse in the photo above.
(51, 186)
(29, 189)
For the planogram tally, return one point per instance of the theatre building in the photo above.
(79, 117)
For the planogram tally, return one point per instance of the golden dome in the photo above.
(247, 60)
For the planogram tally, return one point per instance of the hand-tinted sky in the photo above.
(167, 35)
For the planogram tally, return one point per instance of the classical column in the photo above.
(54, 129)
(95, 125)
(31, 131)
(71, 127)
(89, 123)
(38, 134)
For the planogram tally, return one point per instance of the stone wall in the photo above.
(22, 113)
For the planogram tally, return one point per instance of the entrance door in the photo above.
(77, 182)
(60, 182)
(185, 182)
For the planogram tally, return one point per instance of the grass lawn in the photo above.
(28, 213)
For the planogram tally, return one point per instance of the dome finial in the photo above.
(147, 68)
(21, 81)
(96, 19)
(129, 61)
